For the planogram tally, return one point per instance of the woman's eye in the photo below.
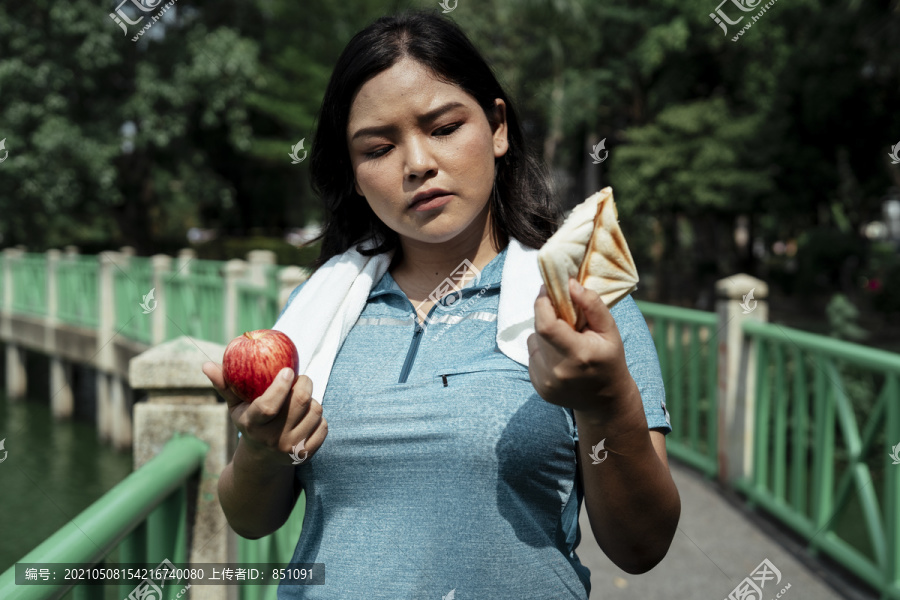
(447, 130)
(444, 131)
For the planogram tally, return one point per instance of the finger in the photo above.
(598, 317)
(312, 441)
(214, 372)
(552, 330)
(272, 403)
(302, 406)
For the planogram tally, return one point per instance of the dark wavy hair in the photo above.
(521, 205)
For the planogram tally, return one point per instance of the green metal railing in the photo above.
(145, 515)
(144, 519)
(827, 413)
(132, 283)
(687, 342)
(195, 302)
(29, 275)
(275, 548)
(77, 291)
(258, 307)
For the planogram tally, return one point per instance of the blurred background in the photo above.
(772, 151)
(767, 155)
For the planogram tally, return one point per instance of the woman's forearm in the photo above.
(630, 497)
(257, 497)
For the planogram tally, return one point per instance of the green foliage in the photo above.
(842, 319)
(228, 248)
(786, 126)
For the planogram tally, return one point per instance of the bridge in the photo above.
(784, 449)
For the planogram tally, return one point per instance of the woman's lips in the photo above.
(431, 203)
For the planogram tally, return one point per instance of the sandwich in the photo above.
(590, 247)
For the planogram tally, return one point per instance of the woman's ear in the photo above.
(498, 126)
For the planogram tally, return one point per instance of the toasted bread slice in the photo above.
(591, 247)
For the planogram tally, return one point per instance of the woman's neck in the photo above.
(423, 267)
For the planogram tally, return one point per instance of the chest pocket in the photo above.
(458, 377)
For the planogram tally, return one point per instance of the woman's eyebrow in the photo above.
(427, 117)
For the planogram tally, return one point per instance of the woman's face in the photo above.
(409, 133)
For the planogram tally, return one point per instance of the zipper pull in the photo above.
(444, 377)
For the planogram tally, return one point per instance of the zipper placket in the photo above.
(411, 353)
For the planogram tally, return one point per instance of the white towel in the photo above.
(323, 312)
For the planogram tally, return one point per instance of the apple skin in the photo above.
(254, 359)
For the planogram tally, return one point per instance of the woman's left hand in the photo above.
(586, 370)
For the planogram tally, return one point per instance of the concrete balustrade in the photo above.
(181, 400)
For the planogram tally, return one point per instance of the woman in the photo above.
(454, 464)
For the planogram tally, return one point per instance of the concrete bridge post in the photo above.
(183, 262)
(260, 261)
(16, 378)
(62, 398)
(162, 271)
(235, 271)
(740, 297)
(181, 400)
(288, 279)
(104, 361)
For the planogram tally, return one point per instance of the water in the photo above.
(52, 472)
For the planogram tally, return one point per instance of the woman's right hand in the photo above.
(275, 424)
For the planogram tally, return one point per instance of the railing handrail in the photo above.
(686, 315)
(91, 535)
(872, 358)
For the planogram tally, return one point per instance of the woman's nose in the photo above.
(419, 158)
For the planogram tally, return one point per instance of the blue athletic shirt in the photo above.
(443, 470)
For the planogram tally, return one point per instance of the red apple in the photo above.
(254, 359)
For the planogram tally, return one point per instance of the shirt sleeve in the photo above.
(643, 362)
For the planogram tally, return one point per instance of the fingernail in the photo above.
(287, 373)
(578, 287)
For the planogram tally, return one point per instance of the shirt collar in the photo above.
(490, 274)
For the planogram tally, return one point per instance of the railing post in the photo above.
(260, 261)
(235, 271)
(737, 372)
(288, 279)
(62, 398)
(16, 377)
(162, 267)
(183, 263)
(104, 361)
(181, 399)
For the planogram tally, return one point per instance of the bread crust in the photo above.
(605, 267)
